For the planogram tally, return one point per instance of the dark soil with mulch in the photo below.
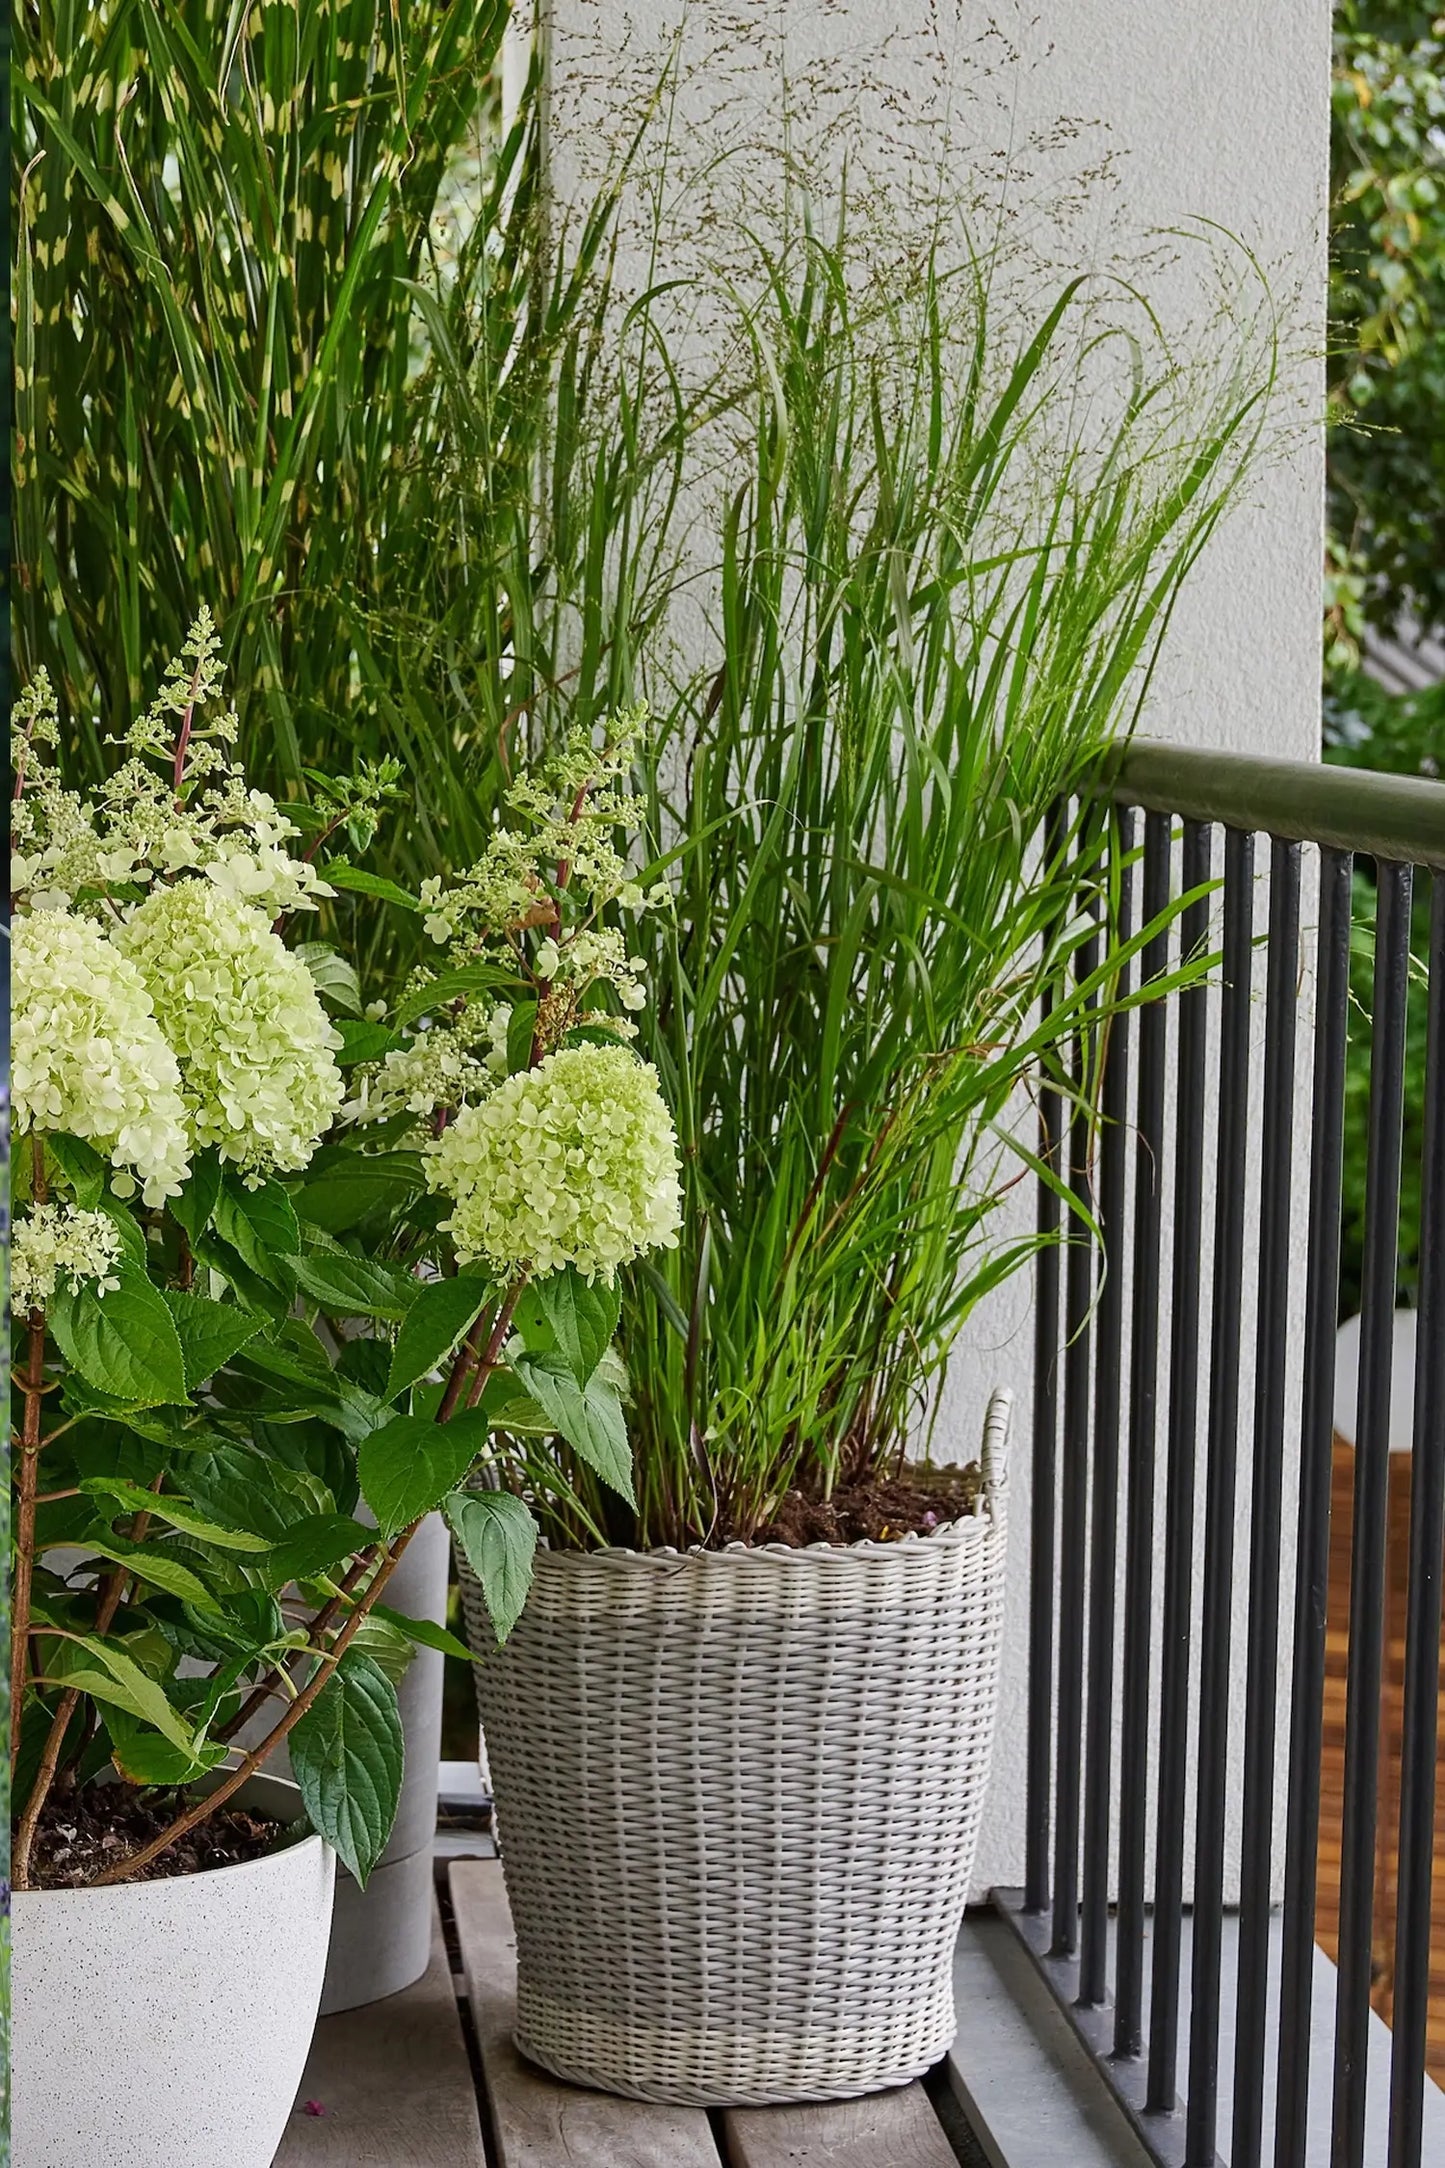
(81, 1833)
(883, 1510)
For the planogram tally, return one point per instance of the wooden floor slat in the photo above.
(538, 2122)
(394, 2082)
(898, 2129)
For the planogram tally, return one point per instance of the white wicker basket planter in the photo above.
(738, 1795)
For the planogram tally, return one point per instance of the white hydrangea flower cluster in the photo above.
(56, 1242)
(143, 825)
(569, 810)
(256, 1049)
(571, 1163)
(533, 904)
(442, 1066)
(89, 1057)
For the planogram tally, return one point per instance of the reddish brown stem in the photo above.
(226, 1789)
(262, 1693)
(27, 1488)
(65, 1709)
(183, 739)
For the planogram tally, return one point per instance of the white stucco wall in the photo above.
(1184, 113)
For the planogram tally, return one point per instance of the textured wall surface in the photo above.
(1102, 119)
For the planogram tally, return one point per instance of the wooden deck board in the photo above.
(537, 2121)
(898, 2129)
(395, 2083)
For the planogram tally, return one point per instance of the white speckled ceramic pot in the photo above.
(166, 2024)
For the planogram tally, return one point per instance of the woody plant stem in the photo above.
(328, 1658)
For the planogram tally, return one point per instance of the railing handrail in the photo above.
(1400, 817)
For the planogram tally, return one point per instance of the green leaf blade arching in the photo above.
(410, 1465)
(499, 1538)
(442, 1313)
(123, 1342)
(347, 1758)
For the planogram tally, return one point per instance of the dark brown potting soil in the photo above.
(883, 1510)
(83, 1832)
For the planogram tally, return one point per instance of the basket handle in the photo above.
(996, 1425)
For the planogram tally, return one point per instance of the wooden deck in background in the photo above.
(401, 2085)
(1332, 1772)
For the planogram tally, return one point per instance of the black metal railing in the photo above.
(1180, 1393)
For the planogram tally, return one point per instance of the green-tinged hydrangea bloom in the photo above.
(58, 1241)
(89, 1057)
(571, 1163)
(242, 1013)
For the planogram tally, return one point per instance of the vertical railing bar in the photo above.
(1212, 1771)
(1422, 1634)
(1367, 1565)
(1179, 1513)
(1079, 1258)
(1043, 1507)
(1262, 1650)
(1322, 1272)
(1108, 1402)
(1143, 1394)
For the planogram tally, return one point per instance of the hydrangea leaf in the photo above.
(260, 1225)
(499, 1538)
(210, 1333)
(588, 1416)
(444, 1310)
(125, 1342)
(345, 1286)
(347, 1758)
(582, 1316)
(408, 1467)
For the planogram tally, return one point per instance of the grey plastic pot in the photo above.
(381, 1936)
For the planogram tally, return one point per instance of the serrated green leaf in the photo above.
(439, 1318)
(499, 1538)
(425, 1632)
(244, 1489)
(362, 1040)
(112, 1676)
(408, 1467)
(124, 1342)
(311, 1546)
(450, 986)
(197, 1201)
(346, 1756)
(341, 875)
(582, 1317)
(260, 1225)
(345, 1286)
(210, 1333)
(151, 1563)
(83, 1169)
(346, 1190)
(177, 1512)
(588, 1416)
(334, 978)
(144, 1757)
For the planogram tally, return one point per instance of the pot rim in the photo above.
(287, 1808)
(988, 1507)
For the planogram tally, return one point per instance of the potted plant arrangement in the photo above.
(739, 1734)
(259, 1343)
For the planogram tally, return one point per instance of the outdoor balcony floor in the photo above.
(415, 2080)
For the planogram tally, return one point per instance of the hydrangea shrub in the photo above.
(283, 1251)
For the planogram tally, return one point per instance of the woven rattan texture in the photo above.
(738, 1795)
